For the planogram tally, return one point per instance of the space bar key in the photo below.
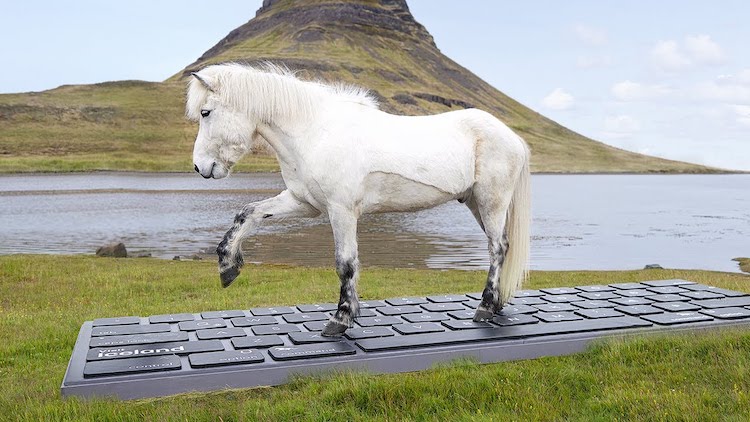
(500, 333)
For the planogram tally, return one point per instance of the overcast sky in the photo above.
(667, 78)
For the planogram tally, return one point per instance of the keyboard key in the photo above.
(727, 313)
(273, 311)
(466, 325)
(667, 298)
(109, 341)
(727, 302)
(421, 328)
(116, 321)
(634, 293)
(178, 348)
(119, 330)
(487, 334)
(315, 325)
(595, 288)
(222, 314)
(518, 319)
(599, 295)
(201, 324)
(299, 318)
(379, 320)
(461, 315)
(475, 296)
(525, 293)
(447, 298)
(561, 298)
(637, 310)
(556, 307)
(426, 317)
(167, 318)
(318, 307)
(517, 309)
(219, 333)
(399, 310)
(560, 291)
(310, 351)
(307, 338)
(667, 290)
(369, 332)
(628, 286)
(233, 357)
(663, 283)
(631, 301)
(701, 294)
(371, 304)
(557, 316)
(599, 313)
(676, 306)
(594, 304)
(471, 304)
(406, 301)
(703, 287)
(134, 365)
(367, 313)
(262, 330)
(527, 301)
(252, 321)
(259, 342)
(672, 318)
(442, 307)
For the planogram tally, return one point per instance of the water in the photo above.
(580, 221)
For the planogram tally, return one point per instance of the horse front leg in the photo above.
(344, 225)
(283, 205)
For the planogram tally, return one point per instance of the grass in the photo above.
(744, 264)
(44, 299)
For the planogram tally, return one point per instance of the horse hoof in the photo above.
(483, 315)
(334, 329)
(228, 276)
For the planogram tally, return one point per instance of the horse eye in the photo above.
(205, 113)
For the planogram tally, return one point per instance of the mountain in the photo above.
(376, 44)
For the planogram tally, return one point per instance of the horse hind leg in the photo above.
(344, 224)
(490, 213)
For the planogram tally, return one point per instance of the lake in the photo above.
(591, 222)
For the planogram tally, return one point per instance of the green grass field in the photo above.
(44, 300)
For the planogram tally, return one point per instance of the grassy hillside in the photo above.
(45, 299)
(373, 43)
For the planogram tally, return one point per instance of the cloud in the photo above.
(620, 127)
(742, 113)
(671, 56)
(634, 91)
(590, 35)
(704, 50)
(558, 100)
(668, 56)
(733, 89)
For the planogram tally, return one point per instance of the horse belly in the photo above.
(388, 192)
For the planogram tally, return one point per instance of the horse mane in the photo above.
(270, 92)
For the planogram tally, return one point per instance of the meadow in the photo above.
(44, 300)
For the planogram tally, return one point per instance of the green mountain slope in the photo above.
(373, 43)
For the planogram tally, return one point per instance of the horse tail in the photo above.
(518, 230)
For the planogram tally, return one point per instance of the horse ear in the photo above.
(206, 82)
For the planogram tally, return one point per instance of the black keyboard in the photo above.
(134, 357)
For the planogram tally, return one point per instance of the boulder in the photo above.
(116, 250)
(653, 267)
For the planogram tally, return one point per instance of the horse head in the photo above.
(225, 133)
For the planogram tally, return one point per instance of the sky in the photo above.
(667, 78)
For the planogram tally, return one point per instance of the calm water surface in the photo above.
(580, 222)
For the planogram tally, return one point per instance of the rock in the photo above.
(116, 250)
(196, 257)
(143, 255)
(653, 267)
(176, 258)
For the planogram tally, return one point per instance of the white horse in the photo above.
(340, 155)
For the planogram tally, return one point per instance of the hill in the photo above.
(376, 44)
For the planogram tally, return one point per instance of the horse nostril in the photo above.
(195, 166)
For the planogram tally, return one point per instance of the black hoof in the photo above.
(483, 315)
(228, 276)
(334, 329)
